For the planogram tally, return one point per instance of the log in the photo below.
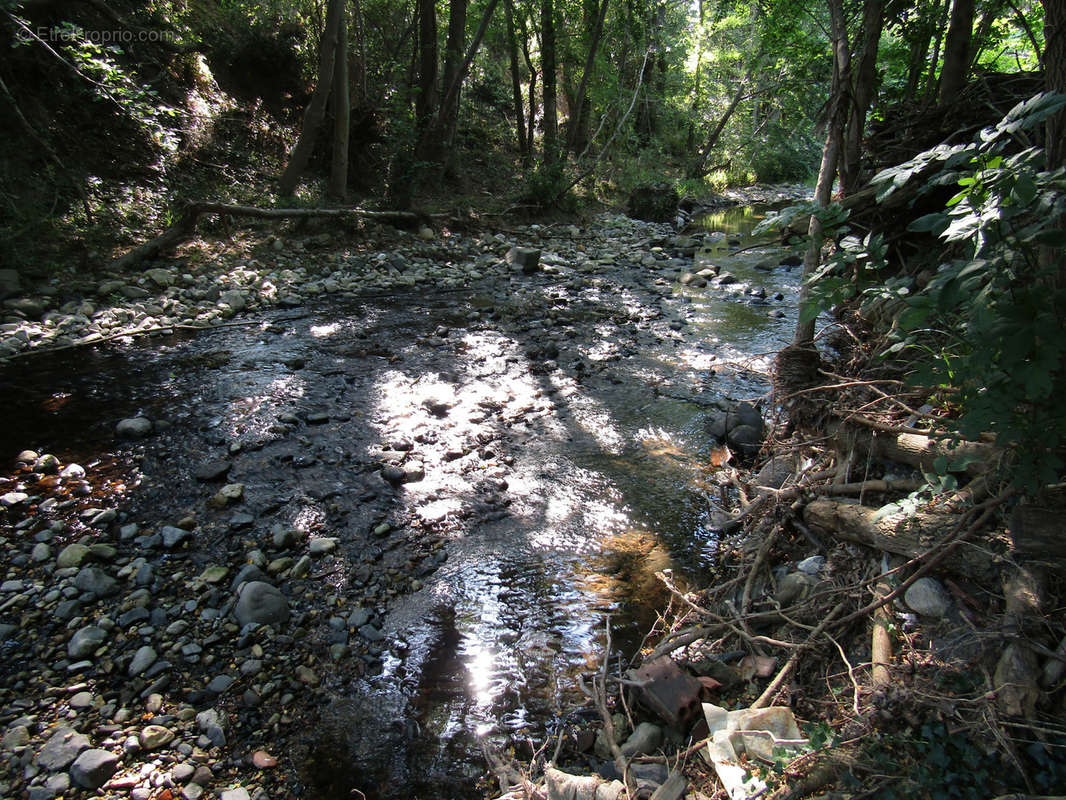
(909, 535)
(918, 450)
(186, 224)
(1037, 530)
(881, 640)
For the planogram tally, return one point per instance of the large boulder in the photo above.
(657, 202)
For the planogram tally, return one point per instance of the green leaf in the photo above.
(935, 223)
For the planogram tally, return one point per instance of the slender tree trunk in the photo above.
(698, 168)
(451, 93)
(453, 60)
(316, 109)
(342, 112)
(1055, 77)
(1055, 147)
(957, 50)
(934, 61)
(865, 86)
(578, 115)
(550, 119)
(837, 113)
(919, 50)
(516, 83)
(426, 103)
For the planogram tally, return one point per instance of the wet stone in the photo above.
(212, 470)
(134, 428)
(172, 536)
(85, 641)
(95, 581)
(93, 768)
(262, 603)
(61, 749)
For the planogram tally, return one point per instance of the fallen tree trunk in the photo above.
(908, 535)
(186, 224)
(917, 450)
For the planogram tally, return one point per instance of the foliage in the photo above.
(932, 762)
(990, 315)
(987, 327)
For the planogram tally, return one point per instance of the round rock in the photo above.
(262, 603)
(134, 428)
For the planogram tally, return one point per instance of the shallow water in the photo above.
(555, 487)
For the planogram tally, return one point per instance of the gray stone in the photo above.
(134, 428)
(234, 299)
(928, 597)
(745, 439)
(172, 536)
(525, 258)
(260, 602)
(10, 499)
(321, 545)
(812, 565)
(95, 581)
(212, 723)
(61, 748)
(85, 641)
(370, 633)
(220, 683)
(240, 793)
(142, 660)
(794, 587)
(249, 572)
(645, 740)
(212, 470)
(93, 768)
(160, 277)
(72, 556)
(47, 464)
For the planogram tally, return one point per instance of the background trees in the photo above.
(412, 99)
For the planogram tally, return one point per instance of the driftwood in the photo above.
(919, 450)
(905, 535)
(1018, 673)
(186, 224)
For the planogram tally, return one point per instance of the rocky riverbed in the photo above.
(328, 548)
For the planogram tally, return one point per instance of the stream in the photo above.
(548, 446)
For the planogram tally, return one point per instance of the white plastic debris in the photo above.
(756, 733)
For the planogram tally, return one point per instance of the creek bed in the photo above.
(551, 432)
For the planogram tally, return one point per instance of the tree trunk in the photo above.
(938, 40)
(957, 50)
(1055, 77)
(516, 82)
(865, 86)
(578, 135)
(453, 60)
(342, 107)
(835, 115)
(316, 109)
(698, 168)
(550, 120)
(426, 103)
